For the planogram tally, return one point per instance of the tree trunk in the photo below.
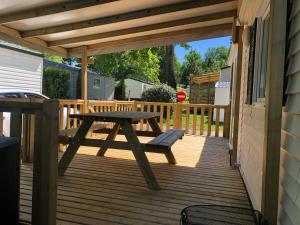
(170, 66)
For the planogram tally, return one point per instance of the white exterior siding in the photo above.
(135, 88)
(222, 91)
(289, 201)
(19, 70)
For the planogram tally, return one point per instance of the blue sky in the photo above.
(202, 46)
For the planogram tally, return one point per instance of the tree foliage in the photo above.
(140, 64)
(56, 82)
(193, 65)
(159, 93)
(215, 59)
(53, 58)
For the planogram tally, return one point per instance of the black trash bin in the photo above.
(9, 180)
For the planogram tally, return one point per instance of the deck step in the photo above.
(165, 140)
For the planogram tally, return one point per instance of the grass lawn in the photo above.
(183, 120)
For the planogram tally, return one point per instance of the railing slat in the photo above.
(68, 118)
(168, 117)
(75, 112)
(148, 110)
(202, 120)
(187, 119)
(142, 121)
(209, 121)
(194, 119)
(161, 116)
(217, 121)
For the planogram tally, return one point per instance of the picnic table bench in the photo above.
(161, 143)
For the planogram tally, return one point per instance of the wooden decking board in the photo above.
(111, 190)
(192, 191)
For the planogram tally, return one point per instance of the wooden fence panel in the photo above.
(170, 115)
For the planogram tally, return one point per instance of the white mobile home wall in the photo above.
(135, 88)
(20, 69)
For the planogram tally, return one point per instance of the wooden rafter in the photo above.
(12, 35)
(125, 17)
(48, 10)
(193, 20)
(154, 40)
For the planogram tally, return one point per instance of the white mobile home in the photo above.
(20, 68)
(135, 88)
(222, 91)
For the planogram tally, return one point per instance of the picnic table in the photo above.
(123, 122)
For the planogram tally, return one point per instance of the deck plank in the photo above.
(111, 190)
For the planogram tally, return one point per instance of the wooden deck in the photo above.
(111, 190)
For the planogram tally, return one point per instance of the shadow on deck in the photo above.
(111, 190)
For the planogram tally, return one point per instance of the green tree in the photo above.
(191, 66)
(215, 59)
(141, 64)
(170, 63)
(53, 58)
(56, 82)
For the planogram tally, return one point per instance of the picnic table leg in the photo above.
(156, 129)
(139, 155)
(154, 126)
(112, 135)
(170, 157)
(74, 146)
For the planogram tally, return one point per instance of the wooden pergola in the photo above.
(83, 28)
(80, 29)
(205, 78)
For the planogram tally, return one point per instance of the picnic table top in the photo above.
(116, 116)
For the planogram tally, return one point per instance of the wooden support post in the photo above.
(84, 77)
(44, 193)
(237, 87)
(1, 123)
(273, 113)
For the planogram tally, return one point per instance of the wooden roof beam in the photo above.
(49, 10)
(14, 36)
(124, 17)
(154, 40)
(198, 19)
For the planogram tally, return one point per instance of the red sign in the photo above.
(181, 96)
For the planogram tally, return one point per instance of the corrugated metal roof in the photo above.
(222, 84)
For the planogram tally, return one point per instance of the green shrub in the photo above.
(56, 82)
(159, 93)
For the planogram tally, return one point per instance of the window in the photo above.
(258, 56)
(144, 87)
(31, 95)
(96, 83)
(10, 95)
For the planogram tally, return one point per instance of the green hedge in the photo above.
(159, 93)
(56, 82)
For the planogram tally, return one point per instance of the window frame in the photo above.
(259, 64)
(98, 85)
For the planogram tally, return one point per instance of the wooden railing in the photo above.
(196, 119)
(45, 160)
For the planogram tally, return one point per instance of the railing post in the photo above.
(45, 169)
(134, 106)
(177, 115)
(226, 126)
